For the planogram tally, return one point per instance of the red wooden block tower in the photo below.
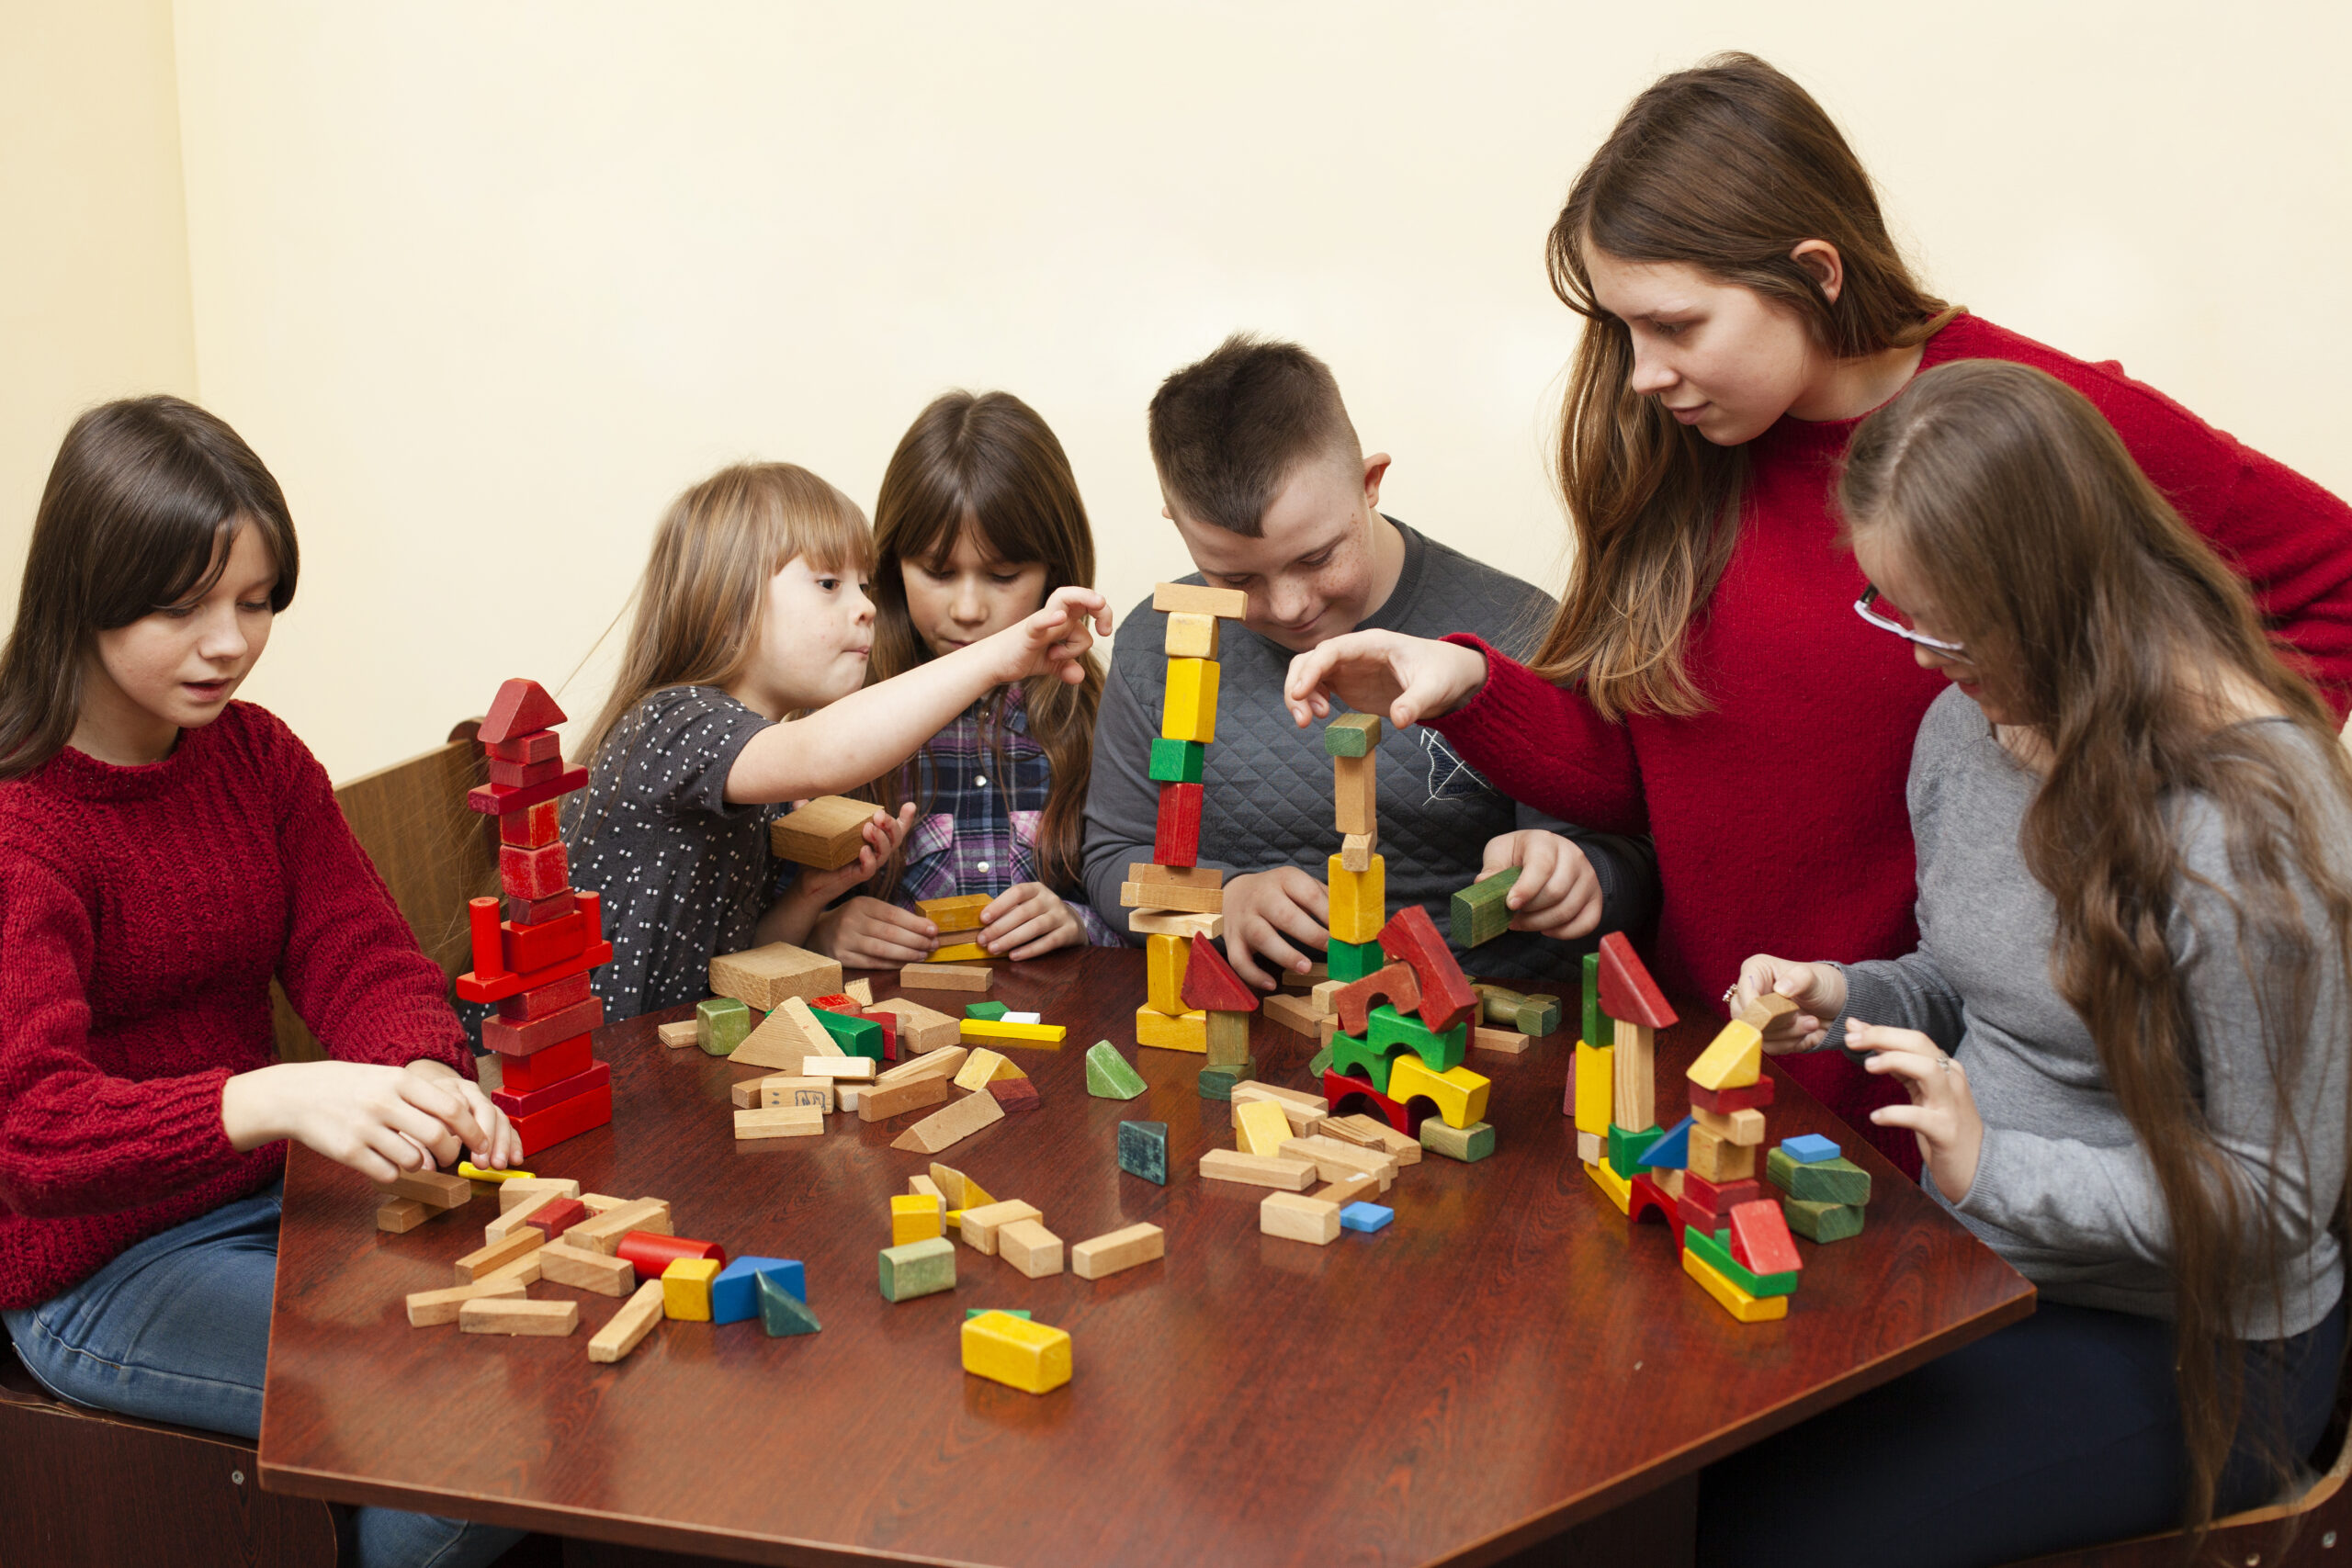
(534, 961)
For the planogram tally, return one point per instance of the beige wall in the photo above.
(93, 291)
(486, 285)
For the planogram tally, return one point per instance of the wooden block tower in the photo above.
(1174, 898)
(534, 961)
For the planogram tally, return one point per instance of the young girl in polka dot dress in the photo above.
(740, 690)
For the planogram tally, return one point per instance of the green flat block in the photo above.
(1822, 1222)
(1538, 1014)
(1178, 761)
(1352, 734)
(1443, 1053)
(1625, 1146)
(1823, 1181)
(922, 1268)
(781, 1311)
(992, 1011)
(1715, 1251)
(1350, 1051)
(721, 1024)
(1319, 1064)
(1109, 1075)
(1143, 1150)
(1217, 1081)
(1480, 913)
(1354, 959)
(857, 1036)
(1469, 1145)
(1599, 1029)
(1021, 1312)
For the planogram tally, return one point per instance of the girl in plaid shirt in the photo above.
(978, 524)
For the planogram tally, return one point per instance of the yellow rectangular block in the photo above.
(960, 952)
(917, 1217)
(1594, 1071)
(1188, 1031)
(1359, 899)
(1189, 712)
(1032, 1356)
(1620, 1190)
(960, 913)
(1733, 1060)
(1735, 1301)
(1190, 635)
(1043, 1035)
(1459, 1094)
(1261, 1127)
(685, 1289)
(1165, 958)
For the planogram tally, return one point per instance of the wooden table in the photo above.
(1505, 1360)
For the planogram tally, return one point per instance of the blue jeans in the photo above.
(178, 1329)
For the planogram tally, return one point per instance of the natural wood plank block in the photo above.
(529, 1192)
(603, 1233)
(1029, 1246)
(1292, 1012)
(627, 1328)
(921, 1030)
(780, 1121)
(1307, 1112)
(981, 1222)
(522, 1271)
(884, 1101)
(861, 991)
(937, 1065)
(1169, 895)
(1297, 1218)
(482, 1261)
(980, 1068)
(428, 1309)
(764, 976)
(1190, 635)
(1260, 1170)
(1348, 1189)
(1744, 1127)
(401, 1215)
(1633, 1064)
(1486, 1038)
(827, 833)
(783, 1089)
(788, 1037)
(951, 1124)
(1335, 1158)
(1116, 1251)
(585, 1269)
(1402, 1147)
(1196, 599)
(854, 1069)
(1720, 1160)
(679, 1033)
(1177, 875)
(945, 977)
(434, 1188)
(1165, 922)
(493, 1314)
(1355, 798)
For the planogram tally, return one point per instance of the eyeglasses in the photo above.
(1888, 618)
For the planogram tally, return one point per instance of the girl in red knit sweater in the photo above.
(164, 852)
(1705, 680)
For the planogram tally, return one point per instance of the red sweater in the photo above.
(143, 913)
(1780, 814)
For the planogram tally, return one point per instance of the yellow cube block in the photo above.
(1736, 1301)
(685, 1289)
(1359, 900)
(1190, 635)
(1459, 1093)
(1190, 711)
(1733, 1060)
(1595, 1072)
(1165, 958)
(1186, 1032)
(1260, 1128)
(916, 1216)
(1031, 1357)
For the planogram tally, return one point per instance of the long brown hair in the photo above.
(986, 462)
(145, 499)
(704, 591)
(2117, 628)
(1727, 168)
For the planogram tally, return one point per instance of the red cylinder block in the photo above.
(481, 922)
(649, 1254)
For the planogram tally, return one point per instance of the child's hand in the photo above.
(883, 834)
(380, 1121)
(457, 1101)
(1054, 641)
(1818, 989)
(1265, 912)
(1403, 679)
(867, 933)
(1027, 921)
(1558, 893)
(1943, 1112)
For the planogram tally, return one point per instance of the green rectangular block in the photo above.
(1352, 734)
(1480, 913)
(1218, 1080)
(1599, 1029)
(1823, 1181)
(1468, 1145)
(1178, 761)
(919, 1268)
(1822, 1222)
(1443, 1053)
(1715, 1252)
(721, 1024)
(992, 1011)
(1626, 1146)
(857, 1036)
(1539, 1014)
(1354, 959)
(1021, 1312)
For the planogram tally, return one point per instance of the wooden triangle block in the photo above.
(520, 707)
(1411, 937)
(951, 1125)
(1626, 990)
(1210, 984)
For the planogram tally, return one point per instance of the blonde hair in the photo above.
(705, 591)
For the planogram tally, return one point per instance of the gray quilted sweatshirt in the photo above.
(1268, 783)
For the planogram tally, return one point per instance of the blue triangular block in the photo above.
(1672, 1150)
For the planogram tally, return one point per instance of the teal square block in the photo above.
(1354, 959)
(1178, 761)
(1443, 1053)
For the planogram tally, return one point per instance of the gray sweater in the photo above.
(2062, 1190)
(1267, 800)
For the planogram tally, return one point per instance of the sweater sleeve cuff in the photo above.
(184, 1128)
(1487, 718)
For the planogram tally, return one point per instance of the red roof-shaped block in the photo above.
(1210, 983)
(1411, 937)
(1626, 990)
(1761, 1240)
(520, 707)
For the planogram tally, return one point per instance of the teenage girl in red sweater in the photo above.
(1706, 679)
(166, 851)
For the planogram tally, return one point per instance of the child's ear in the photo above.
(1376, 468)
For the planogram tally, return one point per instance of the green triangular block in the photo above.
(992, 1010)
(781, 1311)
(1108, 1074)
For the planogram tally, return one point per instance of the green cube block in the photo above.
(1822, 1222)
(1823, 1181)
(1599, 1029)
(1354, 959)
(1626, 1147)
(919, 1268)
(856, 1036)
(1143, 1150)
(1443, 1053)
(1538, 1014)
(1468, 1145)
(1021, 1312)
(1108, 1075)
(1350, 1051)
(992, 1011)
(1218, 1079)
(781, 1311)
(721, 1024)
(1352, 734)
(1319, 1064)
(1480, 913)
(1715, 1252)
(1178, 761)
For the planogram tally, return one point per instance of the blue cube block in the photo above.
(1362, 1216)
(1810, 1148)
(733, 1297)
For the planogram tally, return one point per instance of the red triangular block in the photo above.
(1761, 1240)
(1626, 990)
(520, 707)
(1210, 984)
(1411, 937)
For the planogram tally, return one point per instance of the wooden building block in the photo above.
(764, 976)
(1261, 1127)
(982, 1221)
(560, 1264)
(1481, 911)
(1296, 1217)
(1766, 1010)
(1217, 1080)
(915, 1217)
(1006, 1032)
(884, 1101)
(1164, 960)
(941, 1064)
(1187, 708)
(782, 1313)
(1742, 1127)
(530, 1191)
(1595, 1088)
(1604, 1176)
(1468, 1145)
(1819, 1181)
(1225, 1037)
(603, 1233)
(1733, 1060)
(1179, 875)
(1171, 922)
(789, 1089)
(853, 1069)
(1281, 1171)
(1193, 599)
(1591, 1147)
(1714, 1252)
(685, 1289)
(1190, 635)
(1176, 833)
(959, 1191)
(951, 1124)
(429, 1309)
(1634, 1058)
(1347, 1190)
(1118, 1250)
(1189, 1033)
(1334, 1158)
(1459, 1094)
(1503, 1040)
(1355, 796)
(1143, 1150)
(627, 1328)
(1352, 734)
(860, 990)
(1810, 1148)
(1359, 899)
(1176, 761)
(484, 1260)
(1032, 1356)
(780, 1121)
(1719, 1160)
(401, 1215)
(959, 952)
(1735, 1301)
(1395, 984)
(1029, 1246)
(1759, 1238)
(1625, 990)
(555, 1216)
(1371, 1132)
(1109, 1075)
(960, 913)
(944, 978)
(826, 834)
(434, 1188)
(1306, 1111)
(1821, 1222)
(921, 1030)
(1294, 1014)
(1757, 1096)
(1169, 895)
(1447, 1000)
(786, 1038)
(502, 1315)
(682, 1033)
(980, 1068)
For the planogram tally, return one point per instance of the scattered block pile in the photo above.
(533, 955)
(1173, 895)
(1289, 1141)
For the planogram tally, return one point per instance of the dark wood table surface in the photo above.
(1504, 1361)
